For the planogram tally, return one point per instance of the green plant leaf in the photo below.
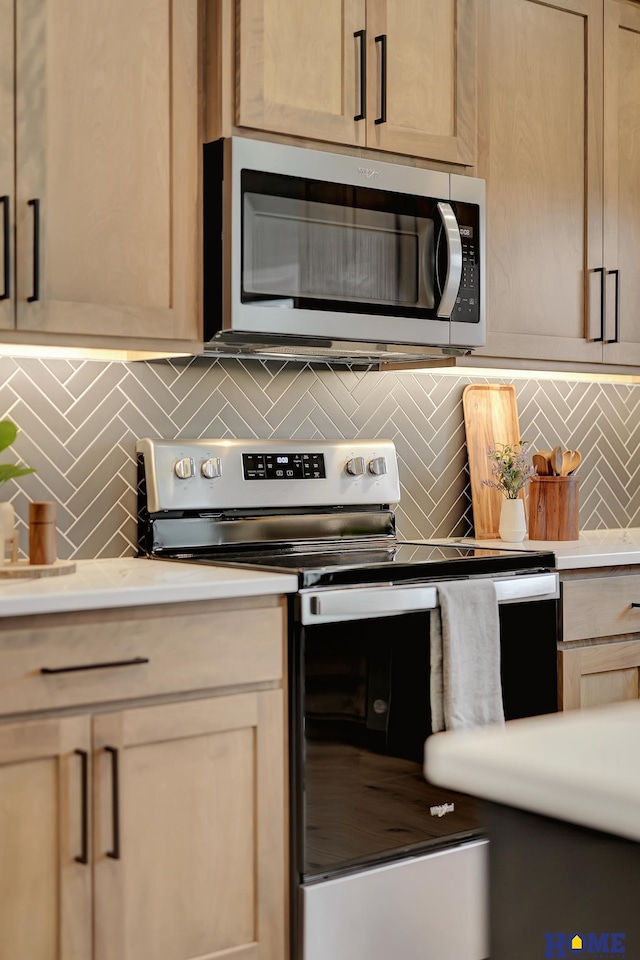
(8, 433)
(9, 471)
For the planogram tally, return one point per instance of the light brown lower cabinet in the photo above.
(45, 889)
(601, 673)
(146, 830)
(599, 656)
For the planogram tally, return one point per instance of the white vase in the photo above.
(513, 525)
(7, 524)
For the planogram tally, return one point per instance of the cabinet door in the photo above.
(422, 78)
(599, 674)
(539, 148)
(622, 180)
(7, 177)
(45, 892)
(189, 841)
(299, 69)
(107, 144)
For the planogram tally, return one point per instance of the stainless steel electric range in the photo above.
(383, 863)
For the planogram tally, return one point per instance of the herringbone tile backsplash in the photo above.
(79, 422)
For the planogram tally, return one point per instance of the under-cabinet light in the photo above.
(47, 352)
(504, 373)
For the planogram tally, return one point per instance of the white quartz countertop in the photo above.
(582, 766)
(595, 548)
(134, 581)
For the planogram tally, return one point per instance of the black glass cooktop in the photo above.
(404, 561)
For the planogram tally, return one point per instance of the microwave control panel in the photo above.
(467, 306)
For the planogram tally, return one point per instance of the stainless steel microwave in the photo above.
(309, 254)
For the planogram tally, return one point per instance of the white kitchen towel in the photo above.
(466, 689)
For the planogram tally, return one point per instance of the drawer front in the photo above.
(111, 655)
(600, 607)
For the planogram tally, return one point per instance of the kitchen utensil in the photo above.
(490, 417)
(566, 462)
(556, 461)
(541, 462)
(575, 459)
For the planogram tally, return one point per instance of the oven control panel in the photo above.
(222, 474)
(283, 466)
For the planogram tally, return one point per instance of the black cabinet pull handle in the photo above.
(95, 666)
(362, 36)
(36, 251)
(115, 803)
(6, 257)
(382, 40)
(616, 334)
(602, 272)
(635, 604)
(84, 780)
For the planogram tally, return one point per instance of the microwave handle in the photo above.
(454, 260)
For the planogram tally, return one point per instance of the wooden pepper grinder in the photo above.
(42, 532)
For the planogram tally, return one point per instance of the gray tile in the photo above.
(42, 413)
(305, 408)
(238, 426)
(105, 379)
(97, 480)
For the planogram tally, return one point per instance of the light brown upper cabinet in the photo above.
(397, 75)
(622, 181)
(103, 229)
(558, 108)
(7, 172)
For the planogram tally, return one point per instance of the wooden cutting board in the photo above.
(490, 417)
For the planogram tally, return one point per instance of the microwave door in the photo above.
(324, 259)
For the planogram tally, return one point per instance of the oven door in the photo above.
(361, 716)
(328, 246)
(380, 855)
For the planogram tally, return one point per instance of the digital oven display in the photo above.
(283, 466)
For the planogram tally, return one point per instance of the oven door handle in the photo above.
(359, 603)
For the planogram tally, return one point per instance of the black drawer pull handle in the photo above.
(36, 251)
(6, 233)
(84, 779)
(96, 666)
(635, 604)
(382, 40)
(115, 803)
(362, 36)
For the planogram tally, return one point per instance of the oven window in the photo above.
(311, 244)
(366, 718)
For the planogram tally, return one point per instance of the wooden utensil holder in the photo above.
(554, 508)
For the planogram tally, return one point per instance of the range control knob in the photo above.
(211, 468)
(184, 468)
(378, 466)
(356, 466)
